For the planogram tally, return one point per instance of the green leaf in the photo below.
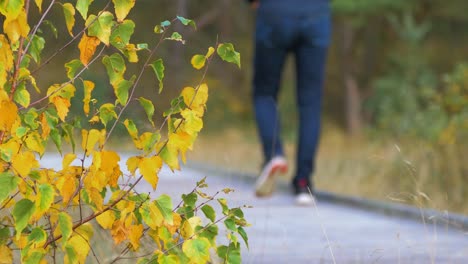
(22, 96)
(107, 113)
(52, 27)
(131, 128)
(68, 132)
(57, 139)
(21, 132)
(176, 36)
(244, 236)
(121, 89)
(9, 183)
(101, 27)
(158, 68)
(4, 235)
(115, 66)
(210, 232)
(121, 35)
(69, 13)
(227, 52)
(122, 8)
(187, 22)
(11, 8)
(22, 213)
(190, 199)
(37, 236)
(209, 212)
(82, 7)
(148, 141)
(164, 205)
(45, 197)
(198, 61)
(37, 45)
(167, 259)
(224, 206)
(230, 255)
(65, 225)
(34, 257)
(142, 46)
(197, 250)
(149, 108)
(230, 224)
(72, 67)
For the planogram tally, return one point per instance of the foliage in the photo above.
(44, 210)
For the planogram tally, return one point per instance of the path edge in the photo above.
(432, 216)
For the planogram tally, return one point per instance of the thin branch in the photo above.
(31, 36)
(69, 42)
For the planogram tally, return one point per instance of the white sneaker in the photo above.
(304, 199)
(266, 182)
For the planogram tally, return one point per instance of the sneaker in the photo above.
(304, 193)
(266, 182)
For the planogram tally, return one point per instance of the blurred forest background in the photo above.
(395, 112)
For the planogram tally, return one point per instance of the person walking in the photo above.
(303, 28)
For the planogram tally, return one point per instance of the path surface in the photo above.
(282, 232)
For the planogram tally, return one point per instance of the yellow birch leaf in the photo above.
(16, 27)
(62, 105)
(67, 160)
(9, 115)
(80, 242)
(106, 219)
(210, 52)
(35, 143)
(5, 254)
(39, 4)
(181, 141)
(149, 168)
(23, 162)
(88, 88)
(118, 231)
(196, 99)
(66, 186)
(6, 55)
(193, 123)
(122, 8)
(110, 167)
(135, 233)
(151, 215)
(90, 138)
(69, 12)
(132, 164)
(96, 197)
(87, 48)
(45, 126)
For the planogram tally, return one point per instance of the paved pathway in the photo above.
(326, 233)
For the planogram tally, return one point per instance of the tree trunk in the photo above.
(353, 99)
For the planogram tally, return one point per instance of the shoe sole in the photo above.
(267, 181)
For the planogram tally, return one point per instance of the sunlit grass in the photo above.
(405, 171)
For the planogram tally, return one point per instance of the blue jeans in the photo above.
(307, 37)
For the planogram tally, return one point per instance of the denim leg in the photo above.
(311, 53)
(269, 60)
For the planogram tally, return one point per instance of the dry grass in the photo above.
(408, 172)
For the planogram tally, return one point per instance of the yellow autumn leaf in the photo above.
(88, 88)
(210, 52)
(119, 231)
(87, 47)
(132, 164)
(151, 215)
(106, 219)
(196, 99)
(90, 138)
(24, 162)
(80, 242)
(69, 12)
(67, 160)
(192, 122)
(96, 198)
(66, 186)
(45, 126)
(35, 143)
(5, 255)
(181, 142)
(17, 27)
(122, 8)
(39, 4)
(62, 105)
(9, 115)
(134, 234)
(110, 167)
(149, 168)
(6, 55)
